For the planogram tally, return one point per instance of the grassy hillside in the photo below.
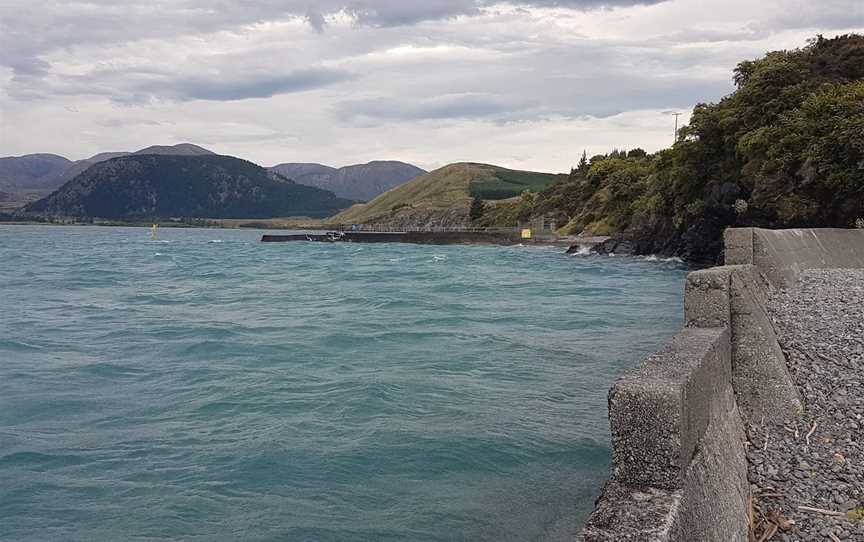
(449, 187)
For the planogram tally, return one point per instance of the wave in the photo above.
(583, 250)
(656, 258)
(457, 375)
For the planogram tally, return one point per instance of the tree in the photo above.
(478, 208)
(583, 165)
(785, 149)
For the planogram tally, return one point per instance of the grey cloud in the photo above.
(265, 87)
(601, 95)
(29, 67)
(131, 87)
(316, 19)
(448, 106)
(752, 31)
(29, 30)
(121, 122)
(835, 14)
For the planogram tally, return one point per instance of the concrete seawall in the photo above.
(678, 420)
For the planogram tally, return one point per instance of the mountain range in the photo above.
(143, 186)
(189, 181)
(47, 172)
(40, 174)
(360, 182)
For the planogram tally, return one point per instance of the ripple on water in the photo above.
(208, 386)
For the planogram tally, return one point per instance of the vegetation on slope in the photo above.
(447, 188)
(212, 186)
(786, 149)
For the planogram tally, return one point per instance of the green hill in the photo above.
(205, 186)
(448, 189)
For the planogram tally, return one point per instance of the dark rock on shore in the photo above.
(614, 246)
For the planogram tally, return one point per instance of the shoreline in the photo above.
(572, 245)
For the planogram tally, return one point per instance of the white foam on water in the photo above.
(583, 250)
(656, 258)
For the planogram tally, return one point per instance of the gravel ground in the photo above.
(818, 460)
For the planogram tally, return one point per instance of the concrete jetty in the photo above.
(416, 237)
(448, 237)
(686, 421)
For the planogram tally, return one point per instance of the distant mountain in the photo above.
(47, 172)
(443, 197)
(31, 171)
(141, 186)
(181, 149)
(300, 170)
(76, 168)
(358, 182)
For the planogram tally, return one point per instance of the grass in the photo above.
(450, 186)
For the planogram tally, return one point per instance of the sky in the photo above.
(527, 85)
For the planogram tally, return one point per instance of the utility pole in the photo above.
(675, 133)
(676, 114)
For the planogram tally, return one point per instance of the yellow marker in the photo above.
(526, 234)
(153, 232)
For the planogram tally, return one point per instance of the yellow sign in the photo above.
(526, 234)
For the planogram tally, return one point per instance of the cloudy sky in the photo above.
(526, 85)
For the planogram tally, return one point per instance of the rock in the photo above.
(614, 246)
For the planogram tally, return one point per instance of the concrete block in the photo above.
(679, 467)
(706, 298)
(781, 255)
(660, 410)
(763, 386)
(713, 505)
(738, 244)
(632, 514)
(646, 433)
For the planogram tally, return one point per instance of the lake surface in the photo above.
(206, 386)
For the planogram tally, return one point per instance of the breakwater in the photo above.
(680, 421)
(502, 237)
(414, 237)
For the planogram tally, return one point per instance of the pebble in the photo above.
(820, 325)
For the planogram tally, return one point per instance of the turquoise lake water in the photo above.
(206, 386)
